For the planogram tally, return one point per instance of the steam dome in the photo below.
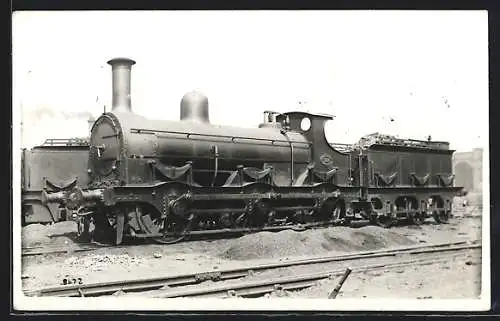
(194, 107)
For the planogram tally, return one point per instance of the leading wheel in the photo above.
(83, 232)
(105, 229)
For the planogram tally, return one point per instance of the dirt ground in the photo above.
(459, 277)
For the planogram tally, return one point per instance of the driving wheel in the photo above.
(175, 229)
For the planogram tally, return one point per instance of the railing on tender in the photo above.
(66, 142)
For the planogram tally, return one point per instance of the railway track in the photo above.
(39, 250)
(256, 287)
(193, 235)
(198, 235)
(261, 287)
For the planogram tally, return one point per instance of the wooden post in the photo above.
(336, 291)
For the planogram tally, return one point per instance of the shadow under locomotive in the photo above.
(168, 180)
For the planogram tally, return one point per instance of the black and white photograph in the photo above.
(251, 160)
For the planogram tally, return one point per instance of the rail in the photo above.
(265, 286)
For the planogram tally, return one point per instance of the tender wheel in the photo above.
(384, 221)
(441, 216)
(417, 218)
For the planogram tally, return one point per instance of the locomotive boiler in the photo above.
(168, 180)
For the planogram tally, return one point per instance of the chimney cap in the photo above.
(121, 60)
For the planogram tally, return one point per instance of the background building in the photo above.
(468, 168)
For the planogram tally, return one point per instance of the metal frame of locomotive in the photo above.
(167, 180)
(54, 166)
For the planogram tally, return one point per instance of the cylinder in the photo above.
(194, 107)
(121, 69)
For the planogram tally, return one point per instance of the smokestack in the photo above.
(121, 68)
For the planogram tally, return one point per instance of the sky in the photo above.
(405, 73)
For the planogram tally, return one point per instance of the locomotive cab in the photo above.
(327, 163)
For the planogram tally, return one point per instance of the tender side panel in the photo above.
(58, 166)
(406, 166)
(383, 166)
(421, 164)
(50, 167)
(410, 167)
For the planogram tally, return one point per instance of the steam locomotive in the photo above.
(169, 180)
